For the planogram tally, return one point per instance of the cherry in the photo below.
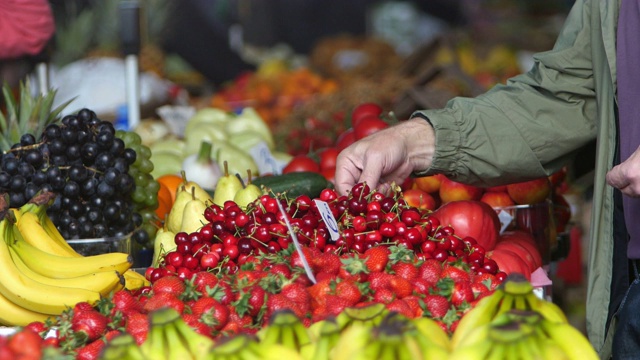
(413, 236)
(501, 276)
(373, 217)
(409, 217)
(373, 237)
(428, 246)
(231, 251)
(328, 195)
(490, 266)
(174, 258)
(309, 221)
(181, 238)
(273, 247)
(359, 223)
(184, 248)
(184, 273)
(303, 202)
(199, 249)
(387, 230)
(440, 255)
(244, 245)
(357, 206)
(206, 233)
(360, 190)
(209, 260)
(387, 204)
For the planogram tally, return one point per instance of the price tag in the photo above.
(296, 243)
(267, 164)
(505, 219)
(176, 117)
(329, 220)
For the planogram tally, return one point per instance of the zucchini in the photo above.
(294, 184)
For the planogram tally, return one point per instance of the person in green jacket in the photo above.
(585, 88)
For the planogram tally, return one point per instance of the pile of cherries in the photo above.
(364, 218)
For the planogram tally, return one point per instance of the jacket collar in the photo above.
(608, 22)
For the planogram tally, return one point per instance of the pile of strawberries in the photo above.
(388, 252)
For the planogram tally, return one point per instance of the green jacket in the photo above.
(531, 126)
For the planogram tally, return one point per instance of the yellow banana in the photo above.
(484, 311)
(134, 280)
(175, 344)
(63, 267)
(547, 309)
(433, 332)
(499, 351)
(198, 344)
(352, 342)
(550, 349)
(102, 282)
(35, 234)
(570, 340)
(30, 294)
(477, 351)
(15, 315)
(278, 352)
(474, 336)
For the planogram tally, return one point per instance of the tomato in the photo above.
(301, 163)
(328, 158)
(471, 218)
(345, 139)
(363, 110)
(509, 262)
(368, 126)
(524, 240)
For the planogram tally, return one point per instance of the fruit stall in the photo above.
(211, 229)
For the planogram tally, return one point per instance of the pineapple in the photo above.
(30, 116)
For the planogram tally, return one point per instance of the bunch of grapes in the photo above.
(93, 172)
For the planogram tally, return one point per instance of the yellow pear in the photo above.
(247, 194)
(227, 187)
(193, 216)
(163, 243)
(198, 192)
(174, 219)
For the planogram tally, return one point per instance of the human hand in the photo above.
(387, 156)
(626, 175)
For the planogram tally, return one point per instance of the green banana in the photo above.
(484, 311)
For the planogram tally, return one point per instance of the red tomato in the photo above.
(509, 262)
(368, 126)
(328, 158)
(345, 139)
(524, 240)
(363, 110)
(301, 163)
(471, 218)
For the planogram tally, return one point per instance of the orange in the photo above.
(171, 183)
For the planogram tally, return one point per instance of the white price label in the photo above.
(505, 219)
(328, 218)
(267, 164)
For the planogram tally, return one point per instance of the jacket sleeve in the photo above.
(527, 127)
(25, 27)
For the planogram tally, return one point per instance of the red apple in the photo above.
(430, 184)
(561, 212)
(497, 199)
(530, 192)
(345, 139)
(499, 188)
(471, 218)
(557, 177)
(451, 190)
(419, 199)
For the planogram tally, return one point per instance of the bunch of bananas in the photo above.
(169, 338)
(513, 323)
(42, 274)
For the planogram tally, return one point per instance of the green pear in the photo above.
(193, 216)
(165, 163)
(198, 192)
(174, 219)
(227, 187)
(247, 194)
(163, 243)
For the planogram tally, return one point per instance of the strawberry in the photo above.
(203, 280)
(480, 290)
(461, 293)
(430, 270)
(318, 293)
(194, 322)
(437, 305)
(91, 323)
(91, 351)
(297, 293)
(328, 262)
(162, 300)
(125, 302)
(138, 326)
(211, 311)
(257, 300)
(309, 254)
(379, 280)
(24, 344)
(489, 280)
(405, 270)
(202, 305)
(82, 307)
(456, 271)
(283, 269)
(171, 284)
(37, 326)
(377, 258)
(416, 304)
(349, 291)
(222, 292)
(336, 304)
(321, 276)
(400, 286)
(353, 268)
(277, 302)
(383, 296)
(421, 286)
(400, 306)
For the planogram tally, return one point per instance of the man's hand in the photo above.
(388, 156)
(626, 175)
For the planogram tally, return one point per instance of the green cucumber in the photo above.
(294, 184)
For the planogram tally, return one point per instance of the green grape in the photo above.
(150, 228)
(145, 166)
(151, 200)
(147, 215)
(144, 152)
(141, 180)
(139, 195)
(153, 186)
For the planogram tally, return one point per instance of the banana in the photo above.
(499, 351)
(58, 267)
(286, 329)
(154, 345)
(198, 345)
(101, 282)
(326, 339)
(547, 309)
(134, 280)
(517, 284)
(477, 335)
(371, 315)
(570, 340)
(484, 311)
(550, 349)
(433, 332)
(175, 343)
(15, 315)
(122, 347)
(35, 234)
(277, 352)
(30, 294)
(352, 342)
(507, 303)
(477, 351)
